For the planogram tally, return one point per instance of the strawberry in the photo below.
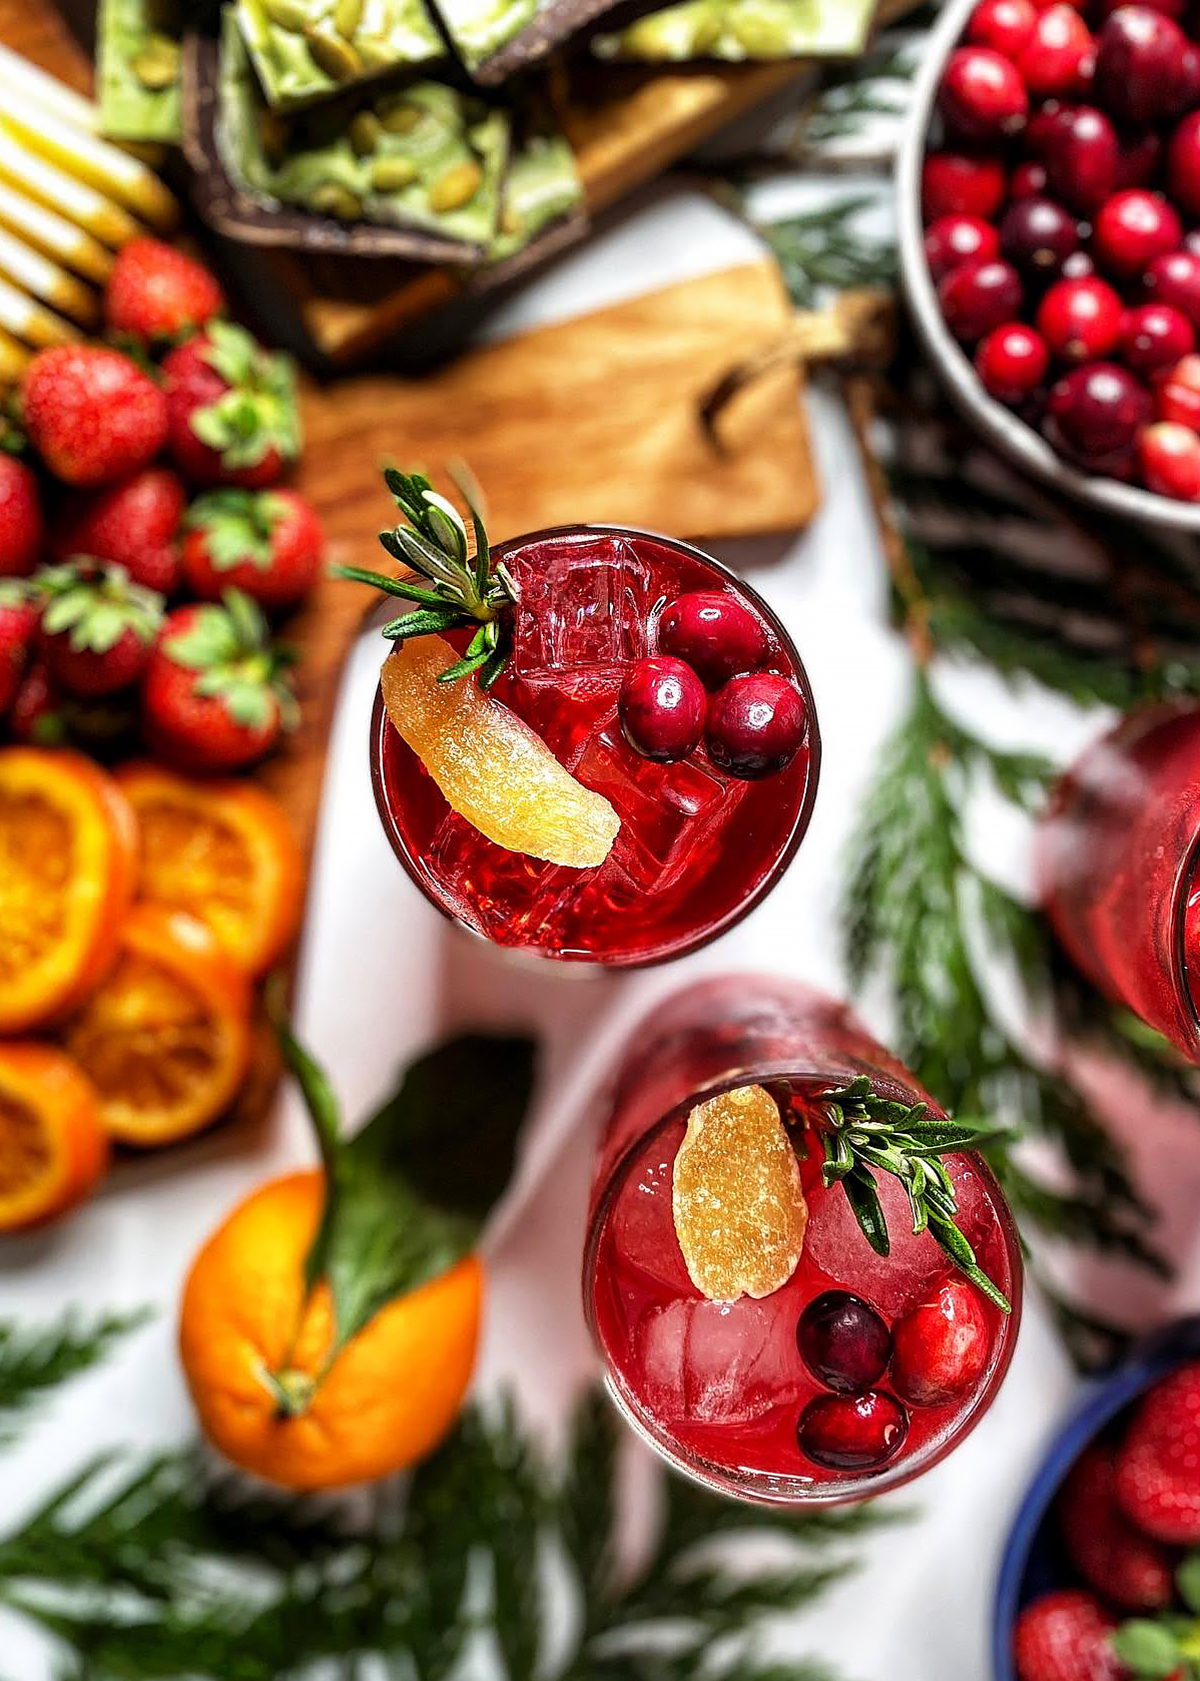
(133, 523)
(1064, 1636)
(155, 293)
(1127, 1568)
(1157, 1479)
(91, 413)
(19, 606)
(97, 627)
(215, 695)
(268, 543)
(20, 519)
(37, 717)
(232, 406)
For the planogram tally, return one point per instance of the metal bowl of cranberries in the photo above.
(1048, 189)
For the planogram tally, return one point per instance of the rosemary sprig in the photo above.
(460, 589)
(863, 1134)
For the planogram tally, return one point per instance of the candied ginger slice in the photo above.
(491, 767)
(739, 1210)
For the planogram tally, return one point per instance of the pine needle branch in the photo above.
(34, 1362)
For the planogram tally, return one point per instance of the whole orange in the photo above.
(255, 1353)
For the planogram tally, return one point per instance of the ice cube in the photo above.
(585, 602)
(503, 894)
(719, 1362)
(642, 1229)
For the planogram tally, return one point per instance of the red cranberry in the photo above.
(1141, 74)
(1154, 336)
(1183, 164)
(1175, 280)
(1012, 362)
(1037, 237)
(1004, 25)
(1080, 319)
(1169, 456)
(1081, 155)
(1132, 228)
(979, 296)
(1177, 393)
(1051, 61)
(843, 1342)
(756, 725)
(982, 96)
(1169, 8)
(715, 633)
(852, 1432)
(1141, 155)
(959, 182)
(952, 240)
(662, 708)
(942, 1346)
(1094, 414)
(1028, 180)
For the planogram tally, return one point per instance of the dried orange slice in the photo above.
(53, 1148)
(222, 851)
(165, 1038)
(740, 1212)
(490, 766)
(68, 847)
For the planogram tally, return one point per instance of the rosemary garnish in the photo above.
(462, 590)
(861, 1131)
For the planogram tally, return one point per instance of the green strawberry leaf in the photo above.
(97, 604)
(209, 640)
(1187, 1580)
(1147, 1648)
(238, 526)
(260, 409)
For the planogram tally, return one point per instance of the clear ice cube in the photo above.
(719, 1363)
(642, 1232)
(585, 602)
(505, 894)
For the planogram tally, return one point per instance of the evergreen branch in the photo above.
(32, 1363)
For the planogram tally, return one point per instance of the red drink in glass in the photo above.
(1116, 866)
(722, 1390)
(698, 847)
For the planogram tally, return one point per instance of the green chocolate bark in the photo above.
(307, 50)
(744, 29)
(479, 28)
(137, 70)
(542, 186)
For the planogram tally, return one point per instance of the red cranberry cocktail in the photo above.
(1116, 862)
(612, 768)
(769, 1321)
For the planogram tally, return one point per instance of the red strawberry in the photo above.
(37, 717)
(133, 523)
(18, 627)
(91, 413)
(1064, 1637)
(232, 405)
(268, 543)
(215, 695)
(156, 293)
(20, 519)
(1129, 1570)
(1157, 1481)
(97, 627)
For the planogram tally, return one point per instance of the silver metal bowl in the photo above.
(1004, 430)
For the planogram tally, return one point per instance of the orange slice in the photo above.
(740, 1212)
(68, 846)
(165, 1038)
(53, 1148)
(490, 766)
(224, 852)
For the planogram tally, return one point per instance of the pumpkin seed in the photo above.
(291, 15)
(347, 15)
(511, 219)
(336, 57)
(456, 187)
(330, 199)
(401, 119)
(156, 66)
(389, 175)
(365, 132)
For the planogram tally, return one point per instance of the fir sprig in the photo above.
(34, 1362)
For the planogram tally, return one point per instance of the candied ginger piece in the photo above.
(490, 766)
(739, 1209)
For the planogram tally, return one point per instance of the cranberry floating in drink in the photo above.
(804, 1282)
(590, 743)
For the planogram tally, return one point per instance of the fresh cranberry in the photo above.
(1141, 156)
(978, 296)
(1028, 180)
(952, 240)
(1037, 237)
(1169, 456)
(1081, 153)
(1004, 25)
(1154, 336)
(1012, 362)
(942, 1346)
(715, 633)
(959, 182)
(662, 708)
(1183, 164)
(843, 1342)
(982, 96)
(1175, 280)
(1051, 61)
(1177, 393)
(1141, 73)
(755, 725)
(1169, 8)
(1132, 228)
(1095, 413)
(852, 1432)
(1080, 319)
